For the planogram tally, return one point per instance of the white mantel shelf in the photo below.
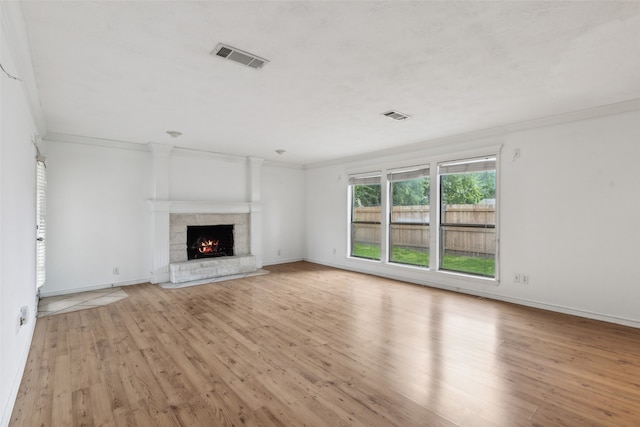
(183, 206)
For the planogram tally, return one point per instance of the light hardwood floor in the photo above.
(315, 346)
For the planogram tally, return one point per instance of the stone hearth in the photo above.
(187, 271)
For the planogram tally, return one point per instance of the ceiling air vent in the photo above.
(395, 115)
(238, 55)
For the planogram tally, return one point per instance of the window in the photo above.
(366, 216)
(409, 217)
(467, 235)
(41, 224)
(391, 215)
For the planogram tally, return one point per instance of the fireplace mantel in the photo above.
(182, 206)
(161, 211)
(162, 207)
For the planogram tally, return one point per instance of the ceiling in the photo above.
(132, 70)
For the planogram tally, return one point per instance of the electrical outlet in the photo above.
(278, 251)
(334, 251)
(23, 317)
(116, 270)
(525, 279)
(516, 277)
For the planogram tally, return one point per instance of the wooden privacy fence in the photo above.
(459, 239)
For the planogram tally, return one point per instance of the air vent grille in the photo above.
(239, 56)
(395, 115)
(224, 52)
(256, 63)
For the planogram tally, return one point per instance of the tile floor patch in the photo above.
(81, 301)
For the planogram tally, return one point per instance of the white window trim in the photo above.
(350, 177)
(436, 258)
(432, 162)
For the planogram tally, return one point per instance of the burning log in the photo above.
(207, 245)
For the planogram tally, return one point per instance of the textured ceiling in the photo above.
(130, 71)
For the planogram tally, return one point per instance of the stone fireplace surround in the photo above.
(170, 220)
(179, 222)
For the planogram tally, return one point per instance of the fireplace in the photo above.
(171, 219)
(186, 228)
(209, 241)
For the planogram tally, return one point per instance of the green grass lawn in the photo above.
(366, 251)
(410, 256)
(459, 263)
(466, 264)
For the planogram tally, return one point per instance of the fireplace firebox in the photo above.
(208, 241)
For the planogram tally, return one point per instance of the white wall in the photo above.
(568, 218)
(17, 229)
(198, 176)
(283, 218)
(327, 215)
(97, 216)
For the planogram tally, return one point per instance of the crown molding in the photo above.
(490, 133)
(277, 164)
(100, 142)
(15, 33)
(198, 153)
(150, 147)
(575, 116)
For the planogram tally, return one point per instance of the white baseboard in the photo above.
(283, 261)
(525, 302)
(45, 293)
(569, 310)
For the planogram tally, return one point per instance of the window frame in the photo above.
(370, 178)
(450, 277)
(466, 165)
(410, 173)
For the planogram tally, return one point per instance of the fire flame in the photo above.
(208, 246)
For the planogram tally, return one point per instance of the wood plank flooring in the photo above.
(308, 345)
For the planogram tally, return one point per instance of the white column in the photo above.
(254, 175)
(161, 156)
(256, 233)
(254, 178)
(160, 211)
(160, 208)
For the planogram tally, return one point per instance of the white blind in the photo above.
(41, 218)
(408, 174)
(364, 180)
(466, 166)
